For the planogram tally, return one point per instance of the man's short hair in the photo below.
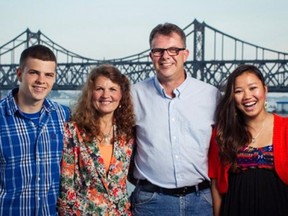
(37, 52)
(167, 29)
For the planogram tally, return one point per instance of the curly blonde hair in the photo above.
(87, 117)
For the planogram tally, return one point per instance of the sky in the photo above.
(109, 29)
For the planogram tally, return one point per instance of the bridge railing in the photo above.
(72, 76)
(213, 55)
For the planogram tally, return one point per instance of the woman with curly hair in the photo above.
(248, 157)
(98, 145)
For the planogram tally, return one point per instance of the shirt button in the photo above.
(38, 178)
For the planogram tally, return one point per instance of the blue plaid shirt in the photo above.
(30, 157)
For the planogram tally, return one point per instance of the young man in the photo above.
(31, 138)
(174, 118)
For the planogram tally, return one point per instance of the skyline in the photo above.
(105, 30)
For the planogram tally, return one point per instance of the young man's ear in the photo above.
(19, 74)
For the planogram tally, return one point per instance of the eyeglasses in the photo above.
(172, 51)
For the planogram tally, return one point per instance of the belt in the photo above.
(149, 187)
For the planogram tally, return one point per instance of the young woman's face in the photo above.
(106, 95)
(249, 94)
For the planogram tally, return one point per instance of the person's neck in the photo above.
(106, 121)
(170, 84)
(26, 105)
(255, 122)
(106, 131)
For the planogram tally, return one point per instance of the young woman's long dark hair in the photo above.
(232, 132)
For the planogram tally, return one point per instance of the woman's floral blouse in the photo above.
(86, 189)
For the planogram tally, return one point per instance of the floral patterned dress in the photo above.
(86, 188)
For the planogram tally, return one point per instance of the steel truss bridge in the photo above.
(213, 55)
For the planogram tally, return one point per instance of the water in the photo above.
(276, 102)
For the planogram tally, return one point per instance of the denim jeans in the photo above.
(198, 203)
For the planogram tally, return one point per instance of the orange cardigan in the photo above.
(280, 149)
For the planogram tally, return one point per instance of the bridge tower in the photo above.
(199, 47)
(199, 41)
(215, 55)
(32, 38)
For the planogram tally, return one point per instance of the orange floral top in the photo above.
(86, 188)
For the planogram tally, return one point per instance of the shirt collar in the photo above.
(12, 106)
(177, 91)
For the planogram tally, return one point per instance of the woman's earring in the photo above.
(266, 105)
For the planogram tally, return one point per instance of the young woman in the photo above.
(97, 147)
(248, 157)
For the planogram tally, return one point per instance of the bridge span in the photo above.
(214, 54)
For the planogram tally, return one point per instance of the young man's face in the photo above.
(36, 80)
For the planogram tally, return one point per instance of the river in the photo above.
(276, 102)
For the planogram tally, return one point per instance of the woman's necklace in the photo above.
(259, 132)
(106, 137)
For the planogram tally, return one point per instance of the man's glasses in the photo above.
(172, 51)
